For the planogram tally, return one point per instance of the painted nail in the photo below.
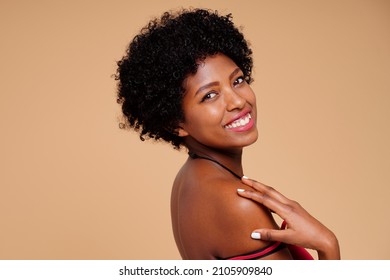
(256, 235)
(240, 190)
(245, 177)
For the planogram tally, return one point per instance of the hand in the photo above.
(302, 229)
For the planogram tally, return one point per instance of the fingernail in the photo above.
(256, 235)
(244, 177)
(240, 190)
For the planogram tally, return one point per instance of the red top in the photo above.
(298, 253)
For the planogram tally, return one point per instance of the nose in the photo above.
(234, 100)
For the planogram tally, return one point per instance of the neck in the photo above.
(231, 158)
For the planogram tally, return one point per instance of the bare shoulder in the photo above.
(215, 222)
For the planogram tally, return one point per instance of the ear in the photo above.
(181, 131)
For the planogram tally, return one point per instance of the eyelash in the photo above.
(208, 94)
(236, 82)
(240, 82)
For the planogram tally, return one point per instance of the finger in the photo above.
(265, 189)
(274, 205)
(265, 234)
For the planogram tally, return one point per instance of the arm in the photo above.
(302, 228)
(211, 221)
(231, 219)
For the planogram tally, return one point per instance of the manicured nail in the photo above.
(244, 177)
(240, 190)
(256, 235)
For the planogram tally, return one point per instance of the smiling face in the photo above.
(219, 106)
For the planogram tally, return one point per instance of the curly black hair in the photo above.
(150, 76)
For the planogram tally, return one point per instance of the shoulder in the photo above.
(219, 220)
(236, 218)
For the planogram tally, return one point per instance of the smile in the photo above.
(243, 121)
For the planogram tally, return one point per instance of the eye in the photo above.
(238, 81)
(209, 95)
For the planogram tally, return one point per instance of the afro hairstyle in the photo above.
(150, 75)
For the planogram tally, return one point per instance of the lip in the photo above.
(243, 128)
(239, 116)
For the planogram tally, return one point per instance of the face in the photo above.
(219, 106)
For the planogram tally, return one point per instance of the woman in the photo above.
(186, 79)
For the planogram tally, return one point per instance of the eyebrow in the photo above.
(217, 83)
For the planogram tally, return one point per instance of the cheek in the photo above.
(213, 114)
(253, 102)
(204, 116)
(250, 95)
(251, 98)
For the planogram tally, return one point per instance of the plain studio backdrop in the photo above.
(75, 186)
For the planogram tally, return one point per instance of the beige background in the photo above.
(75, 186)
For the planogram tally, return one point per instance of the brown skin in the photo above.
(209, 219)
(302, 228)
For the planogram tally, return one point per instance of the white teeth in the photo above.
(240, 122)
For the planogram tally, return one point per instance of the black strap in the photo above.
(195, 156)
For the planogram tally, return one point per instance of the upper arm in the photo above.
(234, 220)
(237, 218)
(214, 221)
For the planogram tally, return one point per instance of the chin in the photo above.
(252, 142)
(249, 141)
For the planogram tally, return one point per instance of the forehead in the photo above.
(212, 69)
